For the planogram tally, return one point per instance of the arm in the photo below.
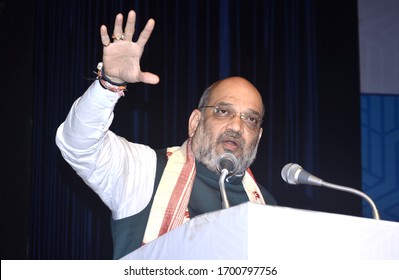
(120, 172)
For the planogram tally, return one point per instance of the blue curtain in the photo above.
(275, 44)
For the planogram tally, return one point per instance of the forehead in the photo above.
(238, 92)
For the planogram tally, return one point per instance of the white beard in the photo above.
(205, 149)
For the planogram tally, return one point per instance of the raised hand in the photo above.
(121, 56)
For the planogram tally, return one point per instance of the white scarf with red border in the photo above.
(170, 207)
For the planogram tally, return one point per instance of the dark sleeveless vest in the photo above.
(128, 233)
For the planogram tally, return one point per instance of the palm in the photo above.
(122, 60)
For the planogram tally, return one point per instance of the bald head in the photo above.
(233, 87)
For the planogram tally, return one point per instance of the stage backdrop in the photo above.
(302, 56)
(379, 72)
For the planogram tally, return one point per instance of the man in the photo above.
(151, 192)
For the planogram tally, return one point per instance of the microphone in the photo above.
(294, 174)
(226, 164)
(227, 161)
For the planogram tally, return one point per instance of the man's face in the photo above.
(215, 134)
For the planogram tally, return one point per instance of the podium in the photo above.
(260, 232)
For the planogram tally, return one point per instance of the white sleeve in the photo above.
(120, 172)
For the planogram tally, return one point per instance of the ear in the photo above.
(260, 134)
(193, 122)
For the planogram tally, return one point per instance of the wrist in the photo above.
(108, 83)
(111, 80)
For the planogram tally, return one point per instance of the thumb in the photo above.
(149, 78)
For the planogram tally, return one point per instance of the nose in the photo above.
(236, 123)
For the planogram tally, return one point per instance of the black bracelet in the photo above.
(105, 78)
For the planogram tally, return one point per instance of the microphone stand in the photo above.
(222, 178)
(376, 215)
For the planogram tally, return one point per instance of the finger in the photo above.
(104, 36)
(118, 26)
(149, 78)
(146, 33)
(129, 29)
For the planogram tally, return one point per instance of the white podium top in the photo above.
(258, 232)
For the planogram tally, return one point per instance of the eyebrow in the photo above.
(252, 111)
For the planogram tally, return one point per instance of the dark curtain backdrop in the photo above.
(301, 55)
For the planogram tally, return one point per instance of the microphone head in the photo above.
(289, 173)
(227, 161)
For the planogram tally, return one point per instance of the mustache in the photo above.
(236, 136)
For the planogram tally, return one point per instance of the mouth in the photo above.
(231, 144)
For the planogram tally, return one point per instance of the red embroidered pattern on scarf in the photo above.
(180, 196)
